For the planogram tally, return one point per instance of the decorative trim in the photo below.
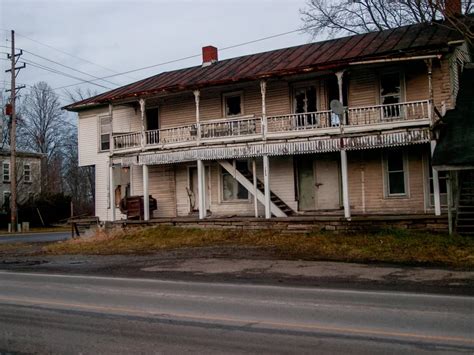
(392, 139)
(246, 151)
(321, 145)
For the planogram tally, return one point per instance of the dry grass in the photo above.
(392, 246)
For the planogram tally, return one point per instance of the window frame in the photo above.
(386, 176)
(225, 95)
(25, 170)
(100, 135)
(236, 184)
(9, 197)
(305, 85)
(402, 94)
(7, 164)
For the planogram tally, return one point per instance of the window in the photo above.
(6, 200)
(233, 104)
(105, 131)
(395, 174)
(26, 172)
(232, 190)
(6, 172)
(304, 101)
(390, 94)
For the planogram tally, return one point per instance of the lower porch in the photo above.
(379, 183)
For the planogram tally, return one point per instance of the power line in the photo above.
(55, 71)
(69, 54)
(198, 55)
(71, 68)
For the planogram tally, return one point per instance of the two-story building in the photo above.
(339, 127)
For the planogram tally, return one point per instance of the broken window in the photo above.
(233, 104)
(304, 102)
(232, 190)
(390, 94)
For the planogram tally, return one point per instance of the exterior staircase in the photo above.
(465, 210)
(245, 178)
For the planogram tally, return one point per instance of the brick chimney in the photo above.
(453, 7)
(209, 55)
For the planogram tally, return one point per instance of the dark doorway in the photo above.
(152, 119)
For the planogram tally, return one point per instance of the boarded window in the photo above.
(395, 174)
(232, 190)
(105, 131)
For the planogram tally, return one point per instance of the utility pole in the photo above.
(14, 72)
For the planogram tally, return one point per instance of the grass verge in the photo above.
(390, 246)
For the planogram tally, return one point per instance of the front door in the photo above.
(193, 191)
(306, 201)
(318, 184)
(327, 184)
(152, 124)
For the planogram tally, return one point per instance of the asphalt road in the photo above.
(64, 314)
(34, 237)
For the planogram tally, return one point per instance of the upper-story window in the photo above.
(233, 104)
(6, 171)
(26, 172)
(304, 101)
(391, 94)
(105, 131)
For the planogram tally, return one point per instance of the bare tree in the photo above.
(338, 17)
(43, 128)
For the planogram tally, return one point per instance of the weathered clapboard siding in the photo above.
(366, 183)
(162, 187)
(363, 88)
(126, 119)
(177, 111)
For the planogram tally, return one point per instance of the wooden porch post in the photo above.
(263, 91)
(197, 96)
(142, 115)
(111, 191)
(345, 184)
(201, 171)
(266, 182)
(146, 194)
(344, 174)
(254, 173)
(449, 190)
(437, 200)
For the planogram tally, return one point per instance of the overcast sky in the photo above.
(125, 35)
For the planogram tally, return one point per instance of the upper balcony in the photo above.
(259, 128)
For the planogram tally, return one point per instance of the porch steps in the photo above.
(465, 211)
(277, 206)
(274, 198)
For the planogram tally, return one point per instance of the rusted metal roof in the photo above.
(395, 43)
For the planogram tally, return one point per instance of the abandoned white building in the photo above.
(339, 127)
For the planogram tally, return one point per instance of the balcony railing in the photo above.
(251, 127)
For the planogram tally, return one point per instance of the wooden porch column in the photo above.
(340, 76)
(197, 96)
(111, 191)
(146, 194)
(437, 200)
(449, 190)
(263, 91)
(345, 184)
(201, 171)
(254, 173)
(142, 115)
(266, 182)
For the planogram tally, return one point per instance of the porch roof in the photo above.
(402, 42)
